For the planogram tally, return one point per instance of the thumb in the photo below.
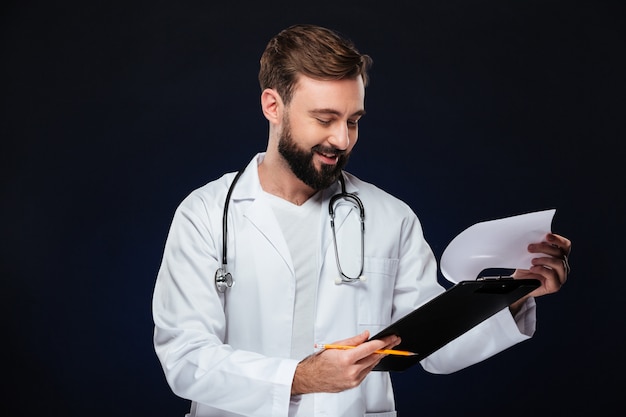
(355, 340)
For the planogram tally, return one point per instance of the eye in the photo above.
(353, 123)
(323, 122)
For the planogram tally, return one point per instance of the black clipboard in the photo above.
(449, 315)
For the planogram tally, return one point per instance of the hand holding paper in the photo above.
(500, 243)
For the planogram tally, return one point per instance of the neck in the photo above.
(277, 178)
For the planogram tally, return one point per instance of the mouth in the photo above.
(328, 156)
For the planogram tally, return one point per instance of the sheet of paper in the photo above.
(500, 243)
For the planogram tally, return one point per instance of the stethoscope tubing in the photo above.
(223, 278)
(331, 211)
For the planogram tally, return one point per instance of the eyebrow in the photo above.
(334, 112)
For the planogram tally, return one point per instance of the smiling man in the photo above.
(311, 139)
(251, 278)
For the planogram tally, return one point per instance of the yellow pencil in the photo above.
(383, 351)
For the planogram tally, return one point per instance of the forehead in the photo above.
(345, 96)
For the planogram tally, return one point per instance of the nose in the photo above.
(340, 137)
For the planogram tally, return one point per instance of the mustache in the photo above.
(327, 150)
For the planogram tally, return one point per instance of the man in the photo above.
(247, 349)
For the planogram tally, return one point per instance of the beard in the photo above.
(301, 161)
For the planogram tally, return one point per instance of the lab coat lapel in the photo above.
(262, 216)
(260, 213)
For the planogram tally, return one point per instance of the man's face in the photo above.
(320, 128)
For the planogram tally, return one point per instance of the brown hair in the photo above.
(310, 50)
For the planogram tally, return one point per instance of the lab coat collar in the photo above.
(249, 185)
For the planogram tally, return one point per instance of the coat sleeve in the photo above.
(189, 326)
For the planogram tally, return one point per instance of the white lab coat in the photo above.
(230, 354)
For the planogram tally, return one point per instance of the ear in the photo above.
(272, 105)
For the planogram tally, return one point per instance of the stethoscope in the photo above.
(224, 279)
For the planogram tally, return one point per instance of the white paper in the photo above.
(501, 243)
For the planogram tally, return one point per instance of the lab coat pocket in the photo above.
(376, 295)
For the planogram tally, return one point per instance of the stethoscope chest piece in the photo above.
(223, 280)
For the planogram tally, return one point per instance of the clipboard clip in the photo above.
(495, 278)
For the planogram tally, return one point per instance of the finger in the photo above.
(566, 265)
(354, 340)
(558, 247)
(552, 272)
(549, 262)
(359, 340)
(564, 244)
(367, 369)
(546, 248)
(393, 342)
(367, 349)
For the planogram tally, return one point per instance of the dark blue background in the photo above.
(112, 112)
